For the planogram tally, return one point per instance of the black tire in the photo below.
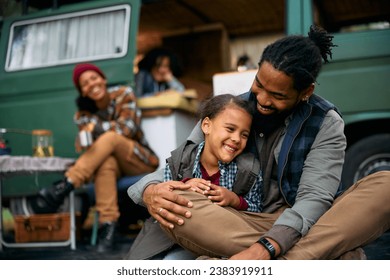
(367, 156)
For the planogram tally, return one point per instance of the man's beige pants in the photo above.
(356, 218)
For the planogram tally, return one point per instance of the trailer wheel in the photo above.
(367, 156)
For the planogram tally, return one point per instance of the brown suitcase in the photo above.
(42, 227)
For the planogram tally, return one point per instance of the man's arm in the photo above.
(318, 184)
(256, 252)
(320, 178)
(136, 190)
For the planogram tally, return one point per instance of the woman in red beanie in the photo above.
(113, 145)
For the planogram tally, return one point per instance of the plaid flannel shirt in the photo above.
(122, 116)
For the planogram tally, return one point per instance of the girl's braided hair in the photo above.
(300, 57)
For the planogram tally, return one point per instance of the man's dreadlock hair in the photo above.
(300, 57)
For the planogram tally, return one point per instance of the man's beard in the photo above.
(267, 123)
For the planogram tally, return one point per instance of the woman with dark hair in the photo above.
(109, 118)
(157, 73)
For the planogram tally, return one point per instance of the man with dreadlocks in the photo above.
(298, 137)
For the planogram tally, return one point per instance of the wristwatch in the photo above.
(268, 246)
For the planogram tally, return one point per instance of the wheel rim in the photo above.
(373, 164)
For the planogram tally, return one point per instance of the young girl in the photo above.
(211, 168)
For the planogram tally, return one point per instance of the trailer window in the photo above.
(82, 36)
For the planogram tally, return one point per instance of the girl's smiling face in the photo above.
(226, 134)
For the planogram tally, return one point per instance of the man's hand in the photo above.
(167, 207)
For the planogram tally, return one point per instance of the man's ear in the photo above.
(306, 93)
(205, 125)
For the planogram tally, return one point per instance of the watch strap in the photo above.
(268, 246)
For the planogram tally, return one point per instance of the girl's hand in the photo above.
(199, 185)
(222, 196)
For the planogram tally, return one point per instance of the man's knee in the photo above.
(380, 181)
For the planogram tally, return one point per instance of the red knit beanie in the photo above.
(80, 69)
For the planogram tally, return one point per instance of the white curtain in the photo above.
(68, 40)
